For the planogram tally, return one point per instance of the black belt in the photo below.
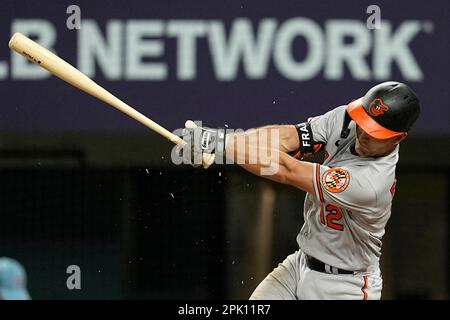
(318, 265)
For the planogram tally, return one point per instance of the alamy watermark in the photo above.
(374, 20)
(74, 280)
(74, 20)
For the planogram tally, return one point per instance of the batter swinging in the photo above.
(348, 201)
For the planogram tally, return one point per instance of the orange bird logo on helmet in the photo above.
(378, 107)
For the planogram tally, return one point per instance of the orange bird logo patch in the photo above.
(378, 107)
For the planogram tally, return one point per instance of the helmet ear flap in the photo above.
(345, 130)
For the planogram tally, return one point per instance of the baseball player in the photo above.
(349, 195)
(12, 280)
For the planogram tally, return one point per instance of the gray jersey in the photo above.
(345, 217)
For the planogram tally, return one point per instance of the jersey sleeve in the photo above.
(344, 187)
(322, 126)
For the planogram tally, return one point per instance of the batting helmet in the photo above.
(387, 110)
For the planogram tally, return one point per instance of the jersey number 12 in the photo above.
(333, 215)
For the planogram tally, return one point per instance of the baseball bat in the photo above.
(63, 70)
(68, 73)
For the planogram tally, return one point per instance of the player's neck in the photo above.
(384, 154)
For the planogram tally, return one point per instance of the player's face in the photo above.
(368, 146)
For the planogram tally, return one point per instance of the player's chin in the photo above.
(362, 151)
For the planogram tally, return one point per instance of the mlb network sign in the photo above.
(136, 50)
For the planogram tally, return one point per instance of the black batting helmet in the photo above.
(387, 110)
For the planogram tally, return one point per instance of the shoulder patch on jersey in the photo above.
(336, 179)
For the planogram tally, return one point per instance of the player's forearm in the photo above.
(280, 137)
(271, 164)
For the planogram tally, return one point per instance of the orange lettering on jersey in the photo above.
(336, 179)
(334, 214)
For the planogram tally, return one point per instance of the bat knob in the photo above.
(208, 160)
(190, 124)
